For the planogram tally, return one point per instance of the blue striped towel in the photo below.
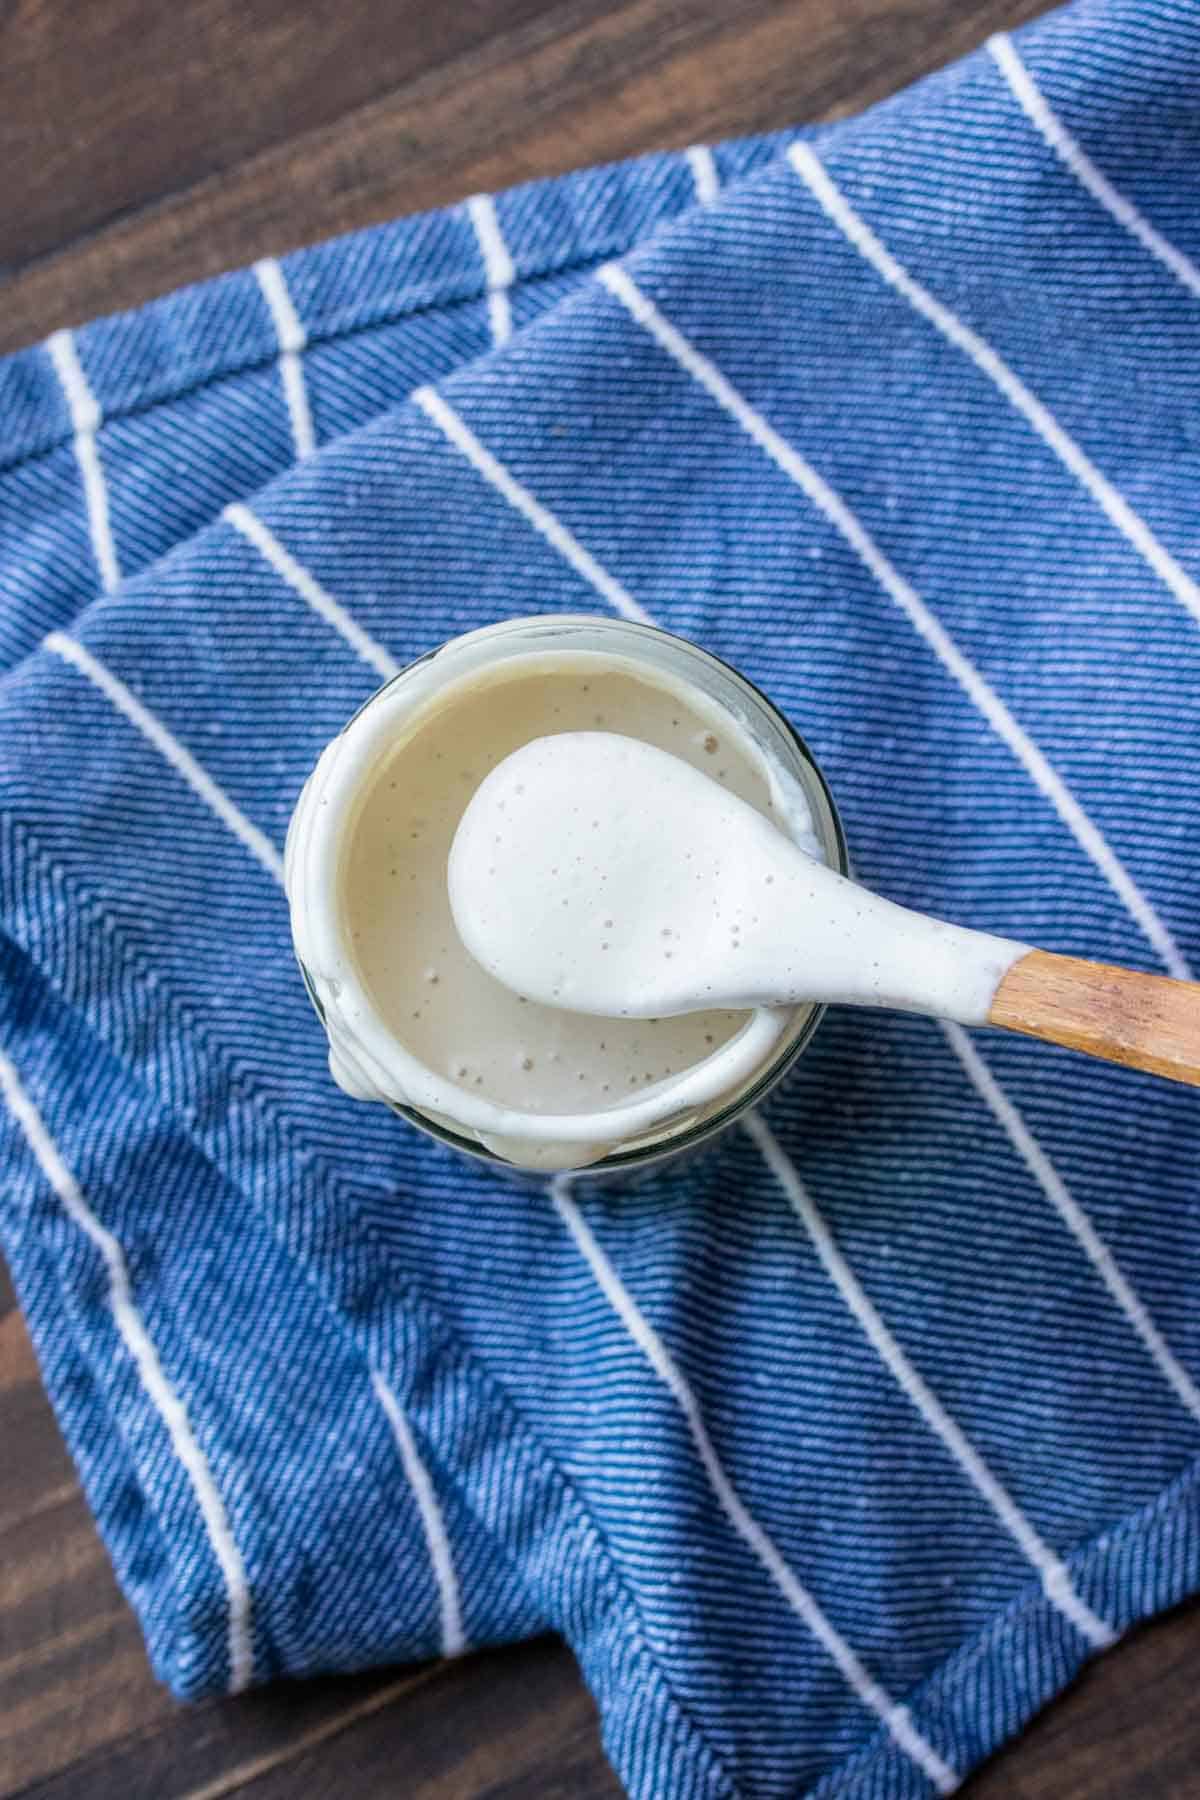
(833, 1454)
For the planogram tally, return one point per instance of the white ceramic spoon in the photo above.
(598, 874)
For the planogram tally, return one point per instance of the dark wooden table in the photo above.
(145, 144)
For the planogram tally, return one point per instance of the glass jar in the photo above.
(365, 1057)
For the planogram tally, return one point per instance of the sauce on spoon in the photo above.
(600, 874)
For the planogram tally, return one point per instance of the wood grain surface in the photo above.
(1123, 1015)
(146, 144)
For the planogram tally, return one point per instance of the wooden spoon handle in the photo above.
(1144, 1021)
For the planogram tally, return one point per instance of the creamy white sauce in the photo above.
(412, 1016)
(599, 873)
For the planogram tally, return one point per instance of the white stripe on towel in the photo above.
(895, 1717)
(309, 589)
(704, 173)
(1070, 152)
(155, 1384)
(85, 423)
(168, 746)
(433, 1524)
(521, 500)
(1053, 1573)
(1111, 503)
(293, 340)
(1074, 1218)
(497, 264)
